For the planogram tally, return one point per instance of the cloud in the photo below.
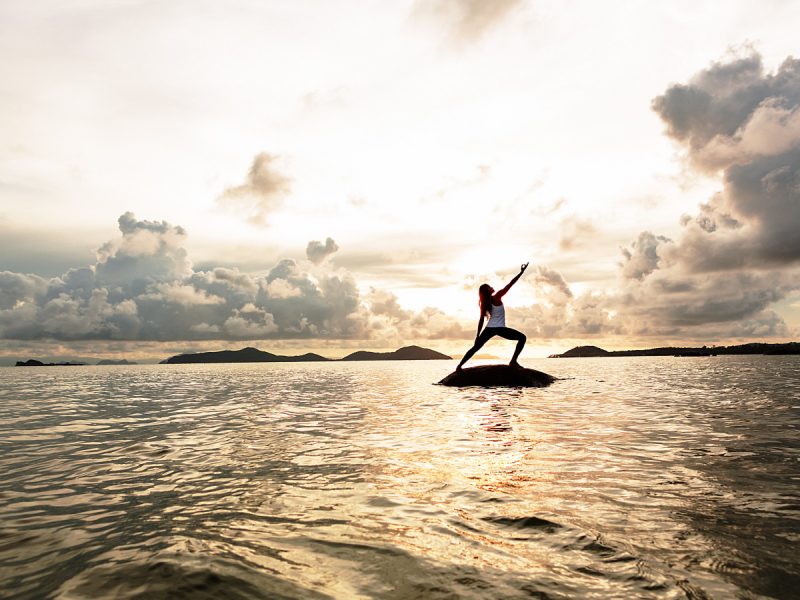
(143, 287)
(734, 112)
(740, 253)
(317, 252)
(642, 258)
(179, 293)
(389, 320)
(250, 322)
(558, 312)
(549, 277)
(263, 190)
(466, 20)
(574, 233)
(735, 119)
(148, 251)
(16, 288)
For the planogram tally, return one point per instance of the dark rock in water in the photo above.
(498, 375)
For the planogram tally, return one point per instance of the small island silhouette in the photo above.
(248, 355)
(32, 362)
(110, 361)
(752, 348)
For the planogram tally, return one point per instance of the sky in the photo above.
(324, 176)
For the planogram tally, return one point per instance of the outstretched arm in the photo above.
(502, 292)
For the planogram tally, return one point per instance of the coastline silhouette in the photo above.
(491, 305)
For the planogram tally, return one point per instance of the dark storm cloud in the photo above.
(263, 190)
(143, 287)
(317, 252)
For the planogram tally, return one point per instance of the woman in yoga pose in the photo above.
(491, 304)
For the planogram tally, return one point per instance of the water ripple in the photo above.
(633, 477)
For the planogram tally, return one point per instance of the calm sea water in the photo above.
(632, 478)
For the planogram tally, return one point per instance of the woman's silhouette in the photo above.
(491, 304)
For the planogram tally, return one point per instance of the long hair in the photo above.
(485, 299)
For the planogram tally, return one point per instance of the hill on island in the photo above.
(32, 362)
(109, 361)
(245, 355)
(250, 355)
(583, 352)
(406, 353)
(752, 348)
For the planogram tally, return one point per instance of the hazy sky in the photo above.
(311, 175)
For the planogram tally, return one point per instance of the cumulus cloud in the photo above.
(735, 119)
(739, 254)
(317, 252)
(180, 293)
(143, 287)
(263, 190)
(147, 251)
(250, 322)
(17, 288)
(559, 312)
(642, 258)
(467, 20)
(389, 320)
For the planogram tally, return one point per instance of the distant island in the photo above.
(37, 363)
(752, 348)
(245, 355)
(108, 361)
(250, 355)
(406, 353)
(32, 362)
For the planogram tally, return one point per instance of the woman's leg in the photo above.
(484, 337)
(512, 334)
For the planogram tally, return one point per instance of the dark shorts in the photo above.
(504, 332)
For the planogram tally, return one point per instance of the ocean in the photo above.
(638, 477)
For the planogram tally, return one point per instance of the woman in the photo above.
(491, 304)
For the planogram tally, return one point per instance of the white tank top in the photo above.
(497, 318)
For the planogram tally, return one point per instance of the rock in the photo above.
(498, 375)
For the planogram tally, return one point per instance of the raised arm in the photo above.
(502, 292)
